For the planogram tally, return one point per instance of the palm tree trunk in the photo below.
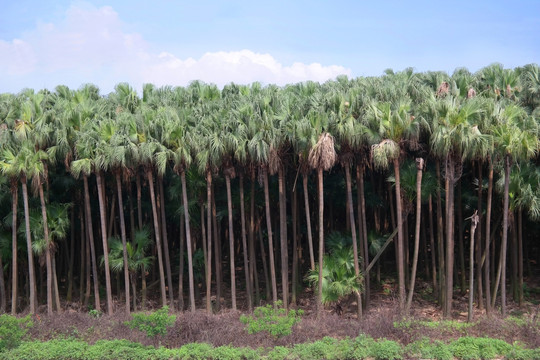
(295, 219)
(209, 242)
(101, 197)
(321, 239)
(161, 205)
(308, 222)
(55, 285)
(474, 222)
(150, 177)
(139, 200)
(432, 246)
(90, 231)
(461, 247)
(69, 296)
(270, 242)
(520, 257)
(47, 250)
(231, 241)
(251, 239)
(362, 224)
(181, 263)
(283, 237)
(449, 185)
(478, 255)
(244, 246)
(124, 240)
(440, 239)
(14, 271)
(188, 242)
(419, 168)
(399, 220)
(217, 251)
(487, 267)
(505, 233)
(350, 214)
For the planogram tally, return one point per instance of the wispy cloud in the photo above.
(91, 45)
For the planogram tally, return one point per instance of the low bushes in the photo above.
(362, 347)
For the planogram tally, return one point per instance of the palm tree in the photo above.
(393, 128)
(322, 157)
(455, 136)
(515, 137)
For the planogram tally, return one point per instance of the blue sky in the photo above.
(168, 42)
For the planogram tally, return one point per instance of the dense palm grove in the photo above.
(202, 197)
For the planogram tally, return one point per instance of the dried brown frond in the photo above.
(443, 89)
(323, 155)
(346, 158)
(471, 93)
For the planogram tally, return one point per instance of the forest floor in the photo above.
(381, 320)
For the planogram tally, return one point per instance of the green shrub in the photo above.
(387, 350)
(363, 347)
(275, 320)
(279, 353)
(153, 324)
(425, 349)
(468, 348)
(12, 330)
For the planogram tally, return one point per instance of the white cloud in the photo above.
(91, 45)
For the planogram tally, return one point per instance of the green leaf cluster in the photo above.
(13, 330)
(274, 319)
(153, 324)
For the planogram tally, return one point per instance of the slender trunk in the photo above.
(124, 240)
(308, 222)
(520, 257)
(461, 247)
(14, 269)
(350, 214)
(55, 284)
(432, 248)
(112, 215)
(181, 265)
(478, 255)
(295, 219)
(514, 256)
(440, 240)
(251, 239)
(321, 239)
(209, 242)
(47, 250)
(449, 186)
(90, 233)
(474, 222)
(188, 242)
(84, 266)
(283, 237)
(362, 224)
(419, 168)
(487, 271)
(161, 205)
(244, 245)
(270, 240)
(139, 200)
(131, 213)
(101, 197)
(71, 257)
(150, 177)
(88, 277)
(505, 233)
(231, 241)
(265, 265)
(400, 256)
(217, 242)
